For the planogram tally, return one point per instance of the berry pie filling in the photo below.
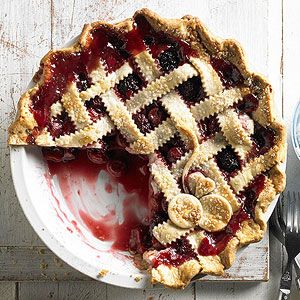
(263, 139)
(175, 254)
(60, 125)
(192, 91)
(129, 85)
(208, 127)
(150, 117)
(95, 108)
(228, 162)
(173, 150)
(228, 72)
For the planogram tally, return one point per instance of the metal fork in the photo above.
(288, 216)
(278, 230)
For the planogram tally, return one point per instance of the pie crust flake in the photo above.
(188, 102)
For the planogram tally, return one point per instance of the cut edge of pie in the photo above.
(26, 130)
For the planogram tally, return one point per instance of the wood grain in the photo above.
(62, 291)
(24, 39)
(40, 264)
(7, 290)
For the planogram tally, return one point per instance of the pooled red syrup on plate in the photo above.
(134, 179)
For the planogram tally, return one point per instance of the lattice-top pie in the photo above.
(168, 90)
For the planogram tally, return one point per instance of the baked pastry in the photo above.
(168, 90)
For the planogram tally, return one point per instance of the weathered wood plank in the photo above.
(38, 290)
(161, 293)
(39, 263)
(115, 292)
(24, 39)
(34, 263)
(62, 291)
(7, 290)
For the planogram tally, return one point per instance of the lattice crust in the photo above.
(236, 131)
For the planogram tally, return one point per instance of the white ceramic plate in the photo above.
(58, 223)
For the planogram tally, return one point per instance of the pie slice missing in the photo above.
(186, 100)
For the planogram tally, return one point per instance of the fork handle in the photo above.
(286, 282)
(297, 268)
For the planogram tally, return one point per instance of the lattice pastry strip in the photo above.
(160, 87)
(234, 132)
(147, 66)
(103, 85)
(207, 150)
(255, 167)
(121, 116)
(222, 187)
(164, 179)
(215, 104)
(179, 112)
(211, 82)
(75, 108)
(168, 232)
(87, 135)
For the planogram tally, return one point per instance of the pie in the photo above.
(170, 92)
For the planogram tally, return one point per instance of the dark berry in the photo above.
(53, 154)
(95, 108)
(121, 141)
(208, 127)
(70, 154)
(164, 205)
(229, 73)
(149, 40)
(263, 138)
(174, 154)
(248, 104)
(142, 122)
(61, 125)
(129, 85)
(227, 160)
(83, 82)
(155, 116)
(173, 150)
(192, 90)
(97, 155)
(170, 59)
(58, 154)
(116, 168)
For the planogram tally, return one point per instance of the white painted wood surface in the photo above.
(28, 28)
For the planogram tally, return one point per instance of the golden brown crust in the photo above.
(196, 34)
